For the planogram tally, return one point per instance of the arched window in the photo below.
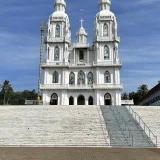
(54, 99)
(107, 99)
(57, 31)
(90, 100)
(71, 101)
(106, 53)
(72, 78)
(107, 77)
(90, 78)
(55, 77)
(81, 55)
(81, 77)
(56, 53)
(105, 30)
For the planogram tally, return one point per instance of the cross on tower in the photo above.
(81, 22)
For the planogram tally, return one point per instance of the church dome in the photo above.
(105, 13)
(59, 14)
(82, 31)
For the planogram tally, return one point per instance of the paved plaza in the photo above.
(78, 154)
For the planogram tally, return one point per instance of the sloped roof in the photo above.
(152, 91)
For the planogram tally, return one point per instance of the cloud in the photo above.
(147, 2)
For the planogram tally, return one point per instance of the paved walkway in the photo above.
(78, 154)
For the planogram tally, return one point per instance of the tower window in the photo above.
(106, 53)
(56, 54)
(81, 55)
(57, 31)
(105, 30)
(55, 77)
(107, 77)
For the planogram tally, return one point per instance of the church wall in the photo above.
(48, 93)
(51, 52)
(98, 96)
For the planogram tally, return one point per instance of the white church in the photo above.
(79, 73)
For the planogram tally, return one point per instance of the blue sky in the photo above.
(138, 27)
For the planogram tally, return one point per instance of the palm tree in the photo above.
(142, 91)
(7, 91)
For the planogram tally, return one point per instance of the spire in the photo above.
(60, 5)
(104, 4)
(81, 22)
(81, 34)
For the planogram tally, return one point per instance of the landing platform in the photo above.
(78, 154)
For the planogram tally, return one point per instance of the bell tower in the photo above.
(58, 36)
(105, 34)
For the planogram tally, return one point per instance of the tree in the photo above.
(124, 96)
(7, 92)
(142, 91)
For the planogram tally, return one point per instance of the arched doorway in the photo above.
(81, 100)
(54, 99)
(107, 99)
(71, 101)
(90, 100)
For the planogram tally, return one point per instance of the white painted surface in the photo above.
(93, 55)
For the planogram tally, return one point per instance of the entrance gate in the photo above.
(54, 99)
(107, 99)
(81, 100)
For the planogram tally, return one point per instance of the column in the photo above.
(86, 100)
(75, 100)
(74, 56)
(87, 56)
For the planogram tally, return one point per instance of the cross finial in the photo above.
(42, 25)
(81, 22)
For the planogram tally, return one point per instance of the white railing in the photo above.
(104, 63)
(56, 39)
(80, 45)
(98, 38)
(55, 64)
(108, 63)
(76, 86)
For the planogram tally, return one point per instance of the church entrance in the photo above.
(90, 101)
(54, 99)
(107, 99)
(81, 100)
(71, 101)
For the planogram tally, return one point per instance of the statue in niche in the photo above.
(72, 78)
(81, 77)
(96, 27)
(90, 78)
(116, 51)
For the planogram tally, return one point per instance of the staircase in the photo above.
(86, 126)
(140, 138)
(51, 126)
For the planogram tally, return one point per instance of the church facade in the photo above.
(80, 74)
